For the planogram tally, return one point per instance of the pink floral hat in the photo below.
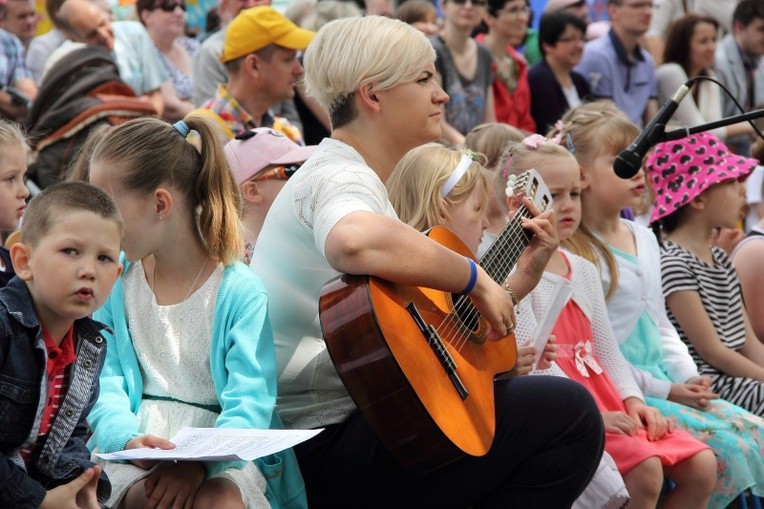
(681, 170)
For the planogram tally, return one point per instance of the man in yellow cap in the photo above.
(260, 55)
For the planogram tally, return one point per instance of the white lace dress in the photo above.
(173, 344)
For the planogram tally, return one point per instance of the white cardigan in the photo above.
(587, 293)
(639, 289)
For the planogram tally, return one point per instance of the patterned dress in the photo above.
(734, 434)
(578, 361)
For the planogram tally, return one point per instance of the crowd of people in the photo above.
(208, 198)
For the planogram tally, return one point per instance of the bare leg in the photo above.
(644, 483)
(695, 480)
(135, 498)
(218, 494)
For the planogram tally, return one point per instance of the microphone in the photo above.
(629, 161)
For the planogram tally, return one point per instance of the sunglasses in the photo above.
(475, 3)
(170, 5)
(277, 173)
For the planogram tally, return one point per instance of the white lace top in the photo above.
(289, 256)
(587, 293)
(173, 342)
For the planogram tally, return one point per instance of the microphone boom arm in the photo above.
(686, 131)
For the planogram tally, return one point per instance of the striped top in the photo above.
(719, 291)
(60, 357)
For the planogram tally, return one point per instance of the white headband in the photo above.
(456, 176)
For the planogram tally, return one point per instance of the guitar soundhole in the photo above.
(468, 318)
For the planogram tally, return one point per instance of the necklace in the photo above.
(196, 279)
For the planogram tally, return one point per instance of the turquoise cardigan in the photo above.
(243, 365)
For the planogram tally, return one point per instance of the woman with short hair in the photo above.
(334, 216)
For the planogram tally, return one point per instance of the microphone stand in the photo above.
(683, 132)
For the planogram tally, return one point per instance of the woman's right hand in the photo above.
(148, 441)
(495, 304)
(619, 423)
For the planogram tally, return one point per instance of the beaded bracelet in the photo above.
(473, 277)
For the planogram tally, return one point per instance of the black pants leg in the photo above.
(549, 439)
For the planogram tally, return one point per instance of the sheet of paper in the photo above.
(219, 444)
(548, 320)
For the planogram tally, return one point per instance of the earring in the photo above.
(159, 217)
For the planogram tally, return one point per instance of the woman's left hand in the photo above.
(536, 255)
(174, 484)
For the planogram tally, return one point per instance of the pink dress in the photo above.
(577, 359)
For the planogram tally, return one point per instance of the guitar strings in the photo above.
(496, 263)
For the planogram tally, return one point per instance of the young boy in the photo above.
(51, 353)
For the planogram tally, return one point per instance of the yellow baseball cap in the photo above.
(257, 27)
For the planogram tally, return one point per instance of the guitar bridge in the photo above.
(439, 348)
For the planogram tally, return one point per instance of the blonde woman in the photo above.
(333, 216)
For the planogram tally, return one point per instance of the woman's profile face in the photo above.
(702, 47)
(412, 111)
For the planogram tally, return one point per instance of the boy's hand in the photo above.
(174, 484)
(148, 441)
(79, 493)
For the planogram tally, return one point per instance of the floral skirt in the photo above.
(735, 436)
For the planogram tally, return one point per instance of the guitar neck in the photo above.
(505, 251)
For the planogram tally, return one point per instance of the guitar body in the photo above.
(395, 377)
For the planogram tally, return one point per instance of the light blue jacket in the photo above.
(243, 365)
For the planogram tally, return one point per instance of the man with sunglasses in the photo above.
(137, 58)
(260, 54)
(261, 160)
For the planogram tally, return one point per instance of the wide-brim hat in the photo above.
(681, 170)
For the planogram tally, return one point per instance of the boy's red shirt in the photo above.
(59, 359)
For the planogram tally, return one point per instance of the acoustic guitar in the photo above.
(416, 360)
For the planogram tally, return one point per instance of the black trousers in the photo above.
(548, 443)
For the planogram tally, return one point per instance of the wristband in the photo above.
(473, 277)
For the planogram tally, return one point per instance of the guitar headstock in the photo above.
(530, 184)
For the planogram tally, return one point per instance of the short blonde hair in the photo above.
(414, 187)
(349, 53)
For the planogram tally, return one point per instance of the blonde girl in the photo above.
(638, 437)
(191, 342)
(417, 189)
(490, 140)
(13, 191)
(628, 257)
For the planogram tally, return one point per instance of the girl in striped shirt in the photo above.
(697, 184)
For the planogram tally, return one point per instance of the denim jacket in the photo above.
(23, 392)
